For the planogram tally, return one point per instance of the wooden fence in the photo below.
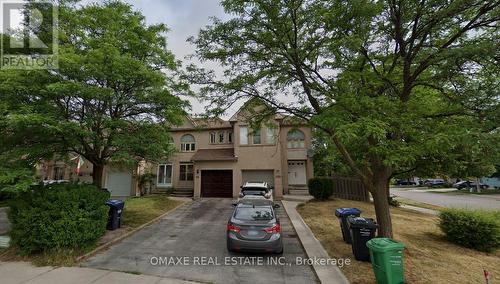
(350, 188)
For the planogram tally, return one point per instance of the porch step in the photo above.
(298, 191)
(183, 192)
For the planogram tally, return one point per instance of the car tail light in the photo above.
(233, 228)
(274, 229)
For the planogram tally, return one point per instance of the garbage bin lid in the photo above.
(360, 222)
(384, 244)
(115, 202)
(340, 212)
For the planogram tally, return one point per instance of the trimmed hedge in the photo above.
(320, 188)
(476, 229)
(58, 216)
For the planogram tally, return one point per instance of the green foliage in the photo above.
(398, 87)
(113, 97)
(320, 188)
(479, 230)
(58, 216)
(393, 201)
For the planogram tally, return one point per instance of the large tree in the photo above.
(393, 84)
(112, 98)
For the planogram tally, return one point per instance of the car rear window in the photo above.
(253, 190)
(253, 213)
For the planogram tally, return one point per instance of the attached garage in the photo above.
(258, 176)
(217, 183)
(119, 183)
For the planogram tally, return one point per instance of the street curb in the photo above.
(126, 235)
(313, 248)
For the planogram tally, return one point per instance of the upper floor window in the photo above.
(256, 137)
(230, 137)
(243, 135)
(213, 137)
(270, 135)
(221, 137)
(188, 143)
(295, 139)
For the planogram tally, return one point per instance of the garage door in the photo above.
(217, 183)
(119, 183)
(258, 175)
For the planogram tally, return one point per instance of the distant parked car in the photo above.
(434, 182)
(256, 189)
(254, 227)
(469, 184)
(405, 182)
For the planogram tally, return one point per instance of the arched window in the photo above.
(188, 144)
(295, 139)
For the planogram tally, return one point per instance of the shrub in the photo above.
(393, 201)
(475, 229)
(58, 216)
(320, 188)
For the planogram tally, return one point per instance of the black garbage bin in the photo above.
(115, 213)
(342, 214)
(361, 231)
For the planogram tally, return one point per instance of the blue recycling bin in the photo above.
(115, 213)
(342, 214)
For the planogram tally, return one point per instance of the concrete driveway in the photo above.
(198, 230)
(469, 201)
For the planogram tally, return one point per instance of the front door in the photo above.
(297, 173)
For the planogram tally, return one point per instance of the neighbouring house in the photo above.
(215, 157)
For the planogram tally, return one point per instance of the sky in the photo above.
(184, 18)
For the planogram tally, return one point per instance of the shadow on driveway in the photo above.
(198, 229)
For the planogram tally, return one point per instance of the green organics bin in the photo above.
(386, 256)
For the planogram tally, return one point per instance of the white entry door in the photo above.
(297, 173)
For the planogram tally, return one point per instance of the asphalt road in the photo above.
(470, 201)
(198, 230)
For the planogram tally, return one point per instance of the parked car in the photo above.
(254, 227)
(434, 182)
(405, 182)
(469, 184)
(256, 189)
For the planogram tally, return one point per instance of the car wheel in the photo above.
(279, 252)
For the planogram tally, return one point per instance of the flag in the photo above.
(79, 163)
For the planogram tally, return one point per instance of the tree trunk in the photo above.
(97, 174)
(380, 194)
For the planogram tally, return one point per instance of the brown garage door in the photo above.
(217, 183)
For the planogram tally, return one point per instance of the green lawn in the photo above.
(138, 211)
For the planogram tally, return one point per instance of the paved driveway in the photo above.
(198, 230)
(449, 200)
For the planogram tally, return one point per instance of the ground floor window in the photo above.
(165, 174)
(186, 172)
(58, 173)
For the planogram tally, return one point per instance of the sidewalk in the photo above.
(22, 272)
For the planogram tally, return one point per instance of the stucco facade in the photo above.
(213, 158)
